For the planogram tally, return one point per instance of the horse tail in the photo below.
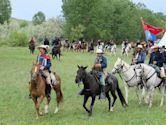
(123, 102)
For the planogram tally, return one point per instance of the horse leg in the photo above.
(142, 95)
(59, 56)
(162, 90)
(137, 93)
(109, 101)
(39, 101)
(126, 91)
(114, 97)
(35, 102)
(91, 106)
(151, 93)
(59, 97)
(46, 106)
(84, 103)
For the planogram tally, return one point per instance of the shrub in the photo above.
(18, 39)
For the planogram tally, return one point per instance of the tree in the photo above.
(5, 11)
(38, 18)
(109, 19)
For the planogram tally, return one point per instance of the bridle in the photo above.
(35, 73)
(143, 69)
(118, 70)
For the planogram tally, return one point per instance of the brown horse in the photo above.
(38, 91)
(31, 46)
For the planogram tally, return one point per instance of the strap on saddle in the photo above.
(157, 69)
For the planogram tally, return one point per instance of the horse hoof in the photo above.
(90, 114)
(112, 109)
(40, 113)
(125, 105)
(46, 109)
(56, 110)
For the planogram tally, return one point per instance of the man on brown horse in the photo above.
(45, 64)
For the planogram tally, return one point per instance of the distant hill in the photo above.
(20, 20)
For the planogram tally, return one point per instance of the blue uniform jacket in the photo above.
(103, 61)
(140, 58)
(158, 57)
(44, 60)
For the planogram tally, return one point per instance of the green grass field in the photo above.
(17, 109)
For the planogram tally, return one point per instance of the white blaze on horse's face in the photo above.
(34, 72)
(117, 66)
(35, 69)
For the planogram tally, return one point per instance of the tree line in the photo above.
(108, 19)
(15, 32)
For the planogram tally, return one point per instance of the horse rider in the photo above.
(163, 71)
(163, 51)
(46, 42)
(45, 64)
(100, 65)
(32, 41)
(139, 56)
(56, 42)
(99, 45)
(156, 59)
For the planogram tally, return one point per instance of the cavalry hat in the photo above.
(42, 46)
(140, 46)
(45, 47)
(155, 46)
(99, 51)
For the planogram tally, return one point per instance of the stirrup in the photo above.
(102, 95)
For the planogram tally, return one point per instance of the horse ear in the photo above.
(78, 66)
(85, 67)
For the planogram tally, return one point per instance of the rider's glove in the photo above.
(42, 67)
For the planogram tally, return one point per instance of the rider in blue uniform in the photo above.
(100, 65)
(45, 64)
(139, 56)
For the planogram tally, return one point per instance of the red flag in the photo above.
(152, 29)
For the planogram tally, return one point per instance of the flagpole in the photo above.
(143, 27)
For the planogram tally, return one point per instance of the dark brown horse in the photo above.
(31, 47)
(92, 88)
(56, 52)
(39, 89)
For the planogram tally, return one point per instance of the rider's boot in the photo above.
(102, 92)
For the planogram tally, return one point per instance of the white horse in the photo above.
(140, 73)
(131, 77)
(151, 81)
(112, 49)
(125, 50)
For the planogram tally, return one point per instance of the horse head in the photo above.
(80, 74)
(118, 66)
(35, 70)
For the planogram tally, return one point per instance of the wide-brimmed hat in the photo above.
(139, 46)
(99, 51)
(45, 47)
(155, 46)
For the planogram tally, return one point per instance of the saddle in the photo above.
(157, 69)
(97, 76)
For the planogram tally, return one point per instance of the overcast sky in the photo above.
(25, 9)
